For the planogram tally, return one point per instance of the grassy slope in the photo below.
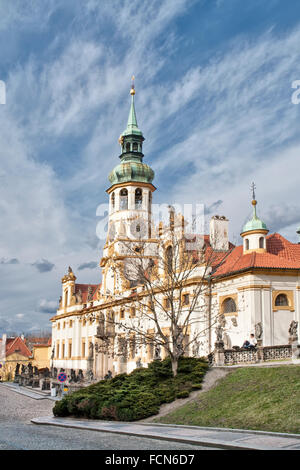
(266, 399)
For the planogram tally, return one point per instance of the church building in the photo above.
(253, 287)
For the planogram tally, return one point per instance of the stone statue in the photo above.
(293, 331)
(157, 352)
(258, 330)
(17, 370)
(139, 363)
(90, 375)
(219, 333)
(90, 294)
(80, 375)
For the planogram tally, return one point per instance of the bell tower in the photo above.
(130, 196)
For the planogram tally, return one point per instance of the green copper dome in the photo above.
(131, 168)
(255, 223)
(131, 171)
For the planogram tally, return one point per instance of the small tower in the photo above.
(254, 231)
(68, 288)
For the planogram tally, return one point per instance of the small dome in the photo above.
(254, 224)
(131, 171)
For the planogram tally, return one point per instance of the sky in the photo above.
(213, 82)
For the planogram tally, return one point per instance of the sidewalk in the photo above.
(210, 437)
(30, 392)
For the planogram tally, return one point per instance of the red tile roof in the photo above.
(17, 345)
(84, 290)
(281, 254)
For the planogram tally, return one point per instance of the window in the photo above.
(167, 303)
(281, 300)
(70, 349)
(132, 312)
(123, 199)
(246, 244)
(229, 305)
(58, 326)
(113, 201)
(185, 299)
(122, 314)
(70, 324)
(261, 242)
(138, 198)
(135, 147)
(128, 147)
(83, 349)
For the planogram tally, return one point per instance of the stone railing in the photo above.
(228, 357)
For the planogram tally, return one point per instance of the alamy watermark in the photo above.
(295, 96)
(2, 92)
(186, 217)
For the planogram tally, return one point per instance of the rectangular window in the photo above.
(70, 349)
(83, 349)
(186, 299)
(122, 314)
(132, 312)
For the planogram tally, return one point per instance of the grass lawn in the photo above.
(266, 399)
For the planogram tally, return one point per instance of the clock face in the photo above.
(138, 228)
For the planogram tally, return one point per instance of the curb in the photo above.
(216, 444)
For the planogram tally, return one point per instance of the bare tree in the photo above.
(170, 309)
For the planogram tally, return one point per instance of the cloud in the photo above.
(43, 266)
(47, 306)
(90, 265)
(9, 261)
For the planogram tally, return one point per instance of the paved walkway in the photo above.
(30, 392)
(209, 437)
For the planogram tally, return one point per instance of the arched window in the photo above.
(169, 259)
(135, 147)
(113, 201)
(246, 244)
(228, 305)
(138, 198)
(281, 300)
(123, 199)
(261, 242)
(128, 147)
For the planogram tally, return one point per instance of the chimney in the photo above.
(218, 233)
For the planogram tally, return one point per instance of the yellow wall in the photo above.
(41, 356)
(7, 372)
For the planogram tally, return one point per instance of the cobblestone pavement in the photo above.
(18, 433)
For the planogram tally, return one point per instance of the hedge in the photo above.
(134, 396)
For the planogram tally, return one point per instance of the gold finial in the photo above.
(132, 91)
(253, 187)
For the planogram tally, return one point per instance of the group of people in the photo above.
(251, 343)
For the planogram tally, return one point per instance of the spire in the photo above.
(255, 223)
(132, 126)
(254, 201)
